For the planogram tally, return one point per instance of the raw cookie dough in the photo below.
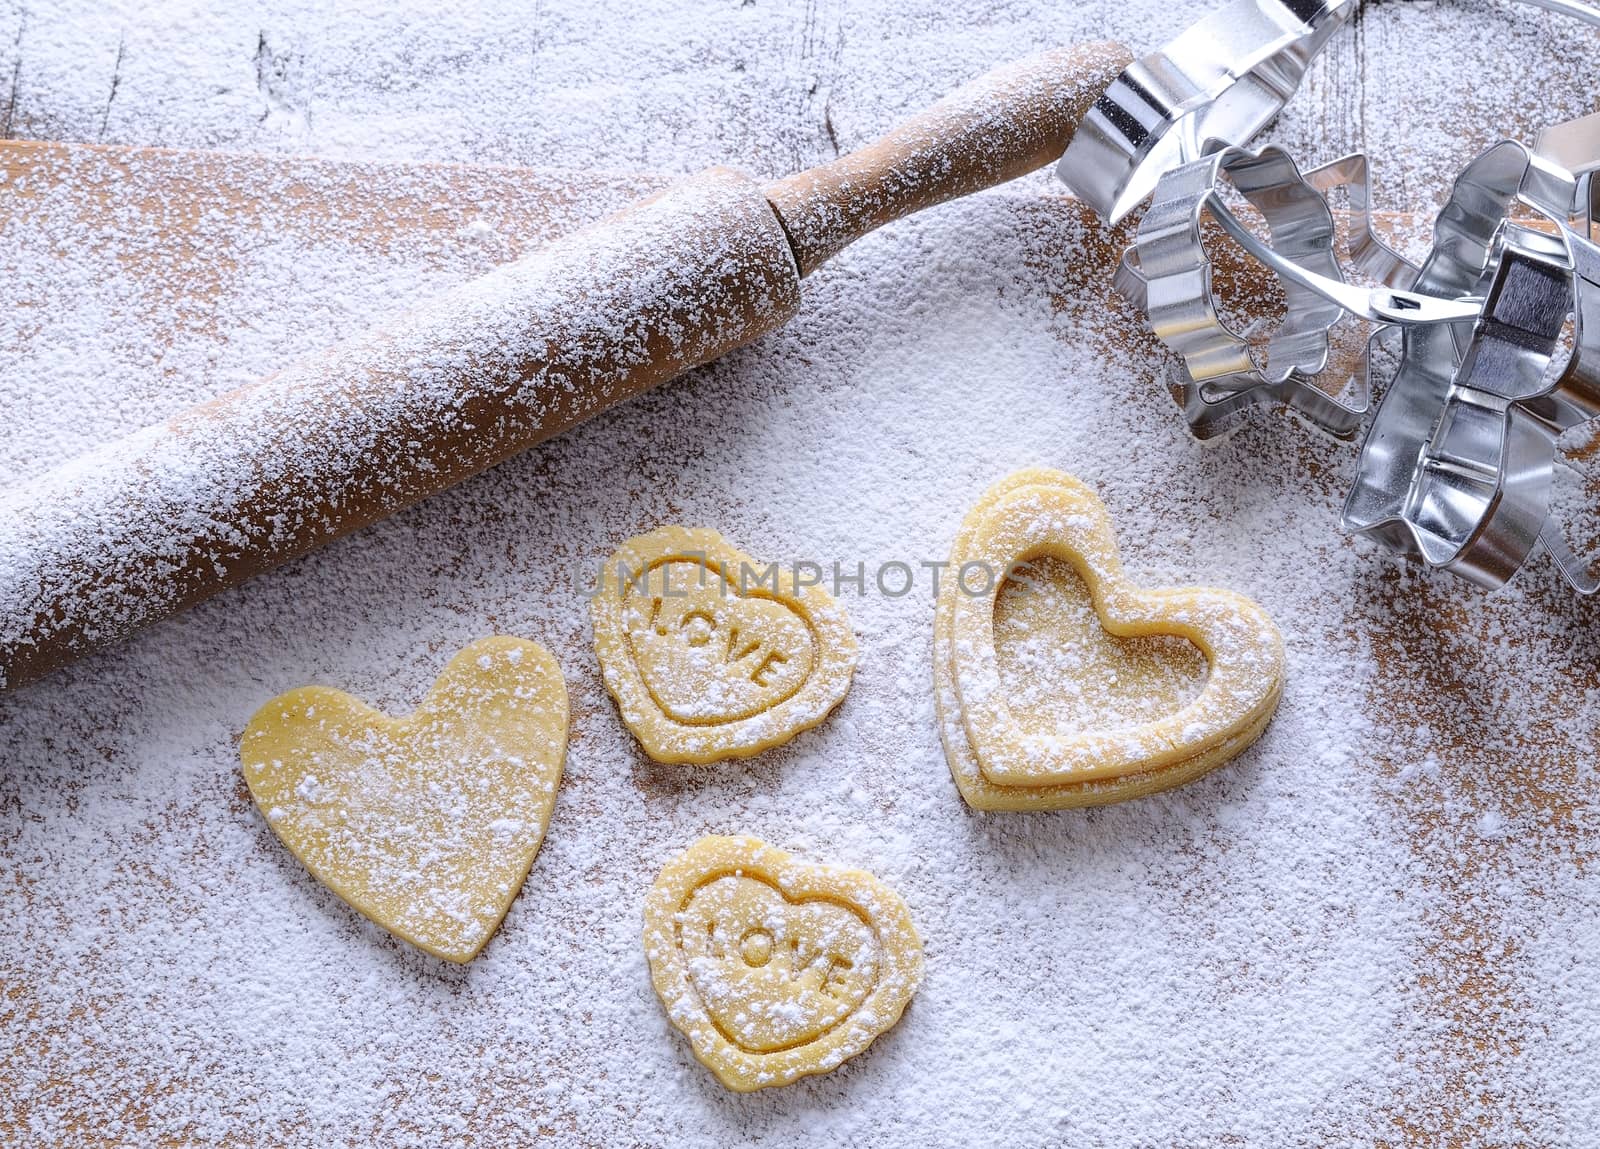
(711, 655)
(426, 824)
(1152, 735)
(773, 968)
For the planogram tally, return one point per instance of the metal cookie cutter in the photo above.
(1369, 254)
(1457, 468)
(1458, 465)
(1223, 79)
(1574, 148)
(1167, 273)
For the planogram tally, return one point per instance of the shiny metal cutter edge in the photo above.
(1222, 79)
(1167, 274)
(1220, 83)
(1457, 467)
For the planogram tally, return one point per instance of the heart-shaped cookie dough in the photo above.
(426, 824)
(776, 974)
(711, 655)
(1002, 763)
(773, 968)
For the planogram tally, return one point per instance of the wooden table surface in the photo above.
(1481, 744)
(769, 86)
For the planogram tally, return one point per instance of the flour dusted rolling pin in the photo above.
(166, 517)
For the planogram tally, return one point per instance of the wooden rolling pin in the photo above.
(170, 515)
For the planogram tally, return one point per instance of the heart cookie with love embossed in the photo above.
(773, 968)
(711, 655)
(1061, 684)
(427, 824)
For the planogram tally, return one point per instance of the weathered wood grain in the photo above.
(781, 85)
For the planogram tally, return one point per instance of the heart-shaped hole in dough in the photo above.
(1063, 673)
(1033, 756)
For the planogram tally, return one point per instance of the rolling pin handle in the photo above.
(1012, 121)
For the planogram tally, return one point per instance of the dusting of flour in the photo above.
(1377, 925)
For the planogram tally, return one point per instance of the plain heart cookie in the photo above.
(711, 655)
(774, 968)
(426, 824)
(1141, 724)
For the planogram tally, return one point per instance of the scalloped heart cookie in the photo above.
(1144, 723)
(773, 968)
(427, 824)
(711, 655)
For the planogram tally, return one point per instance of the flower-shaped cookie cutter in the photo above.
(1223, 79)
(1457, 467)
(1458, 462)
(1167, 274)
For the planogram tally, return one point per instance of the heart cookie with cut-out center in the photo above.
(773, 968)
(1159, 737)
(427, 824)
(711, 655)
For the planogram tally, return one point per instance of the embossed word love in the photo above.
(1002, 756)
(773, 968)
(426, 824)
(704, 668)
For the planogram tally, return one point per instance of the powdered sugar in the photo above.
(1376, 924)
(159, 519)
